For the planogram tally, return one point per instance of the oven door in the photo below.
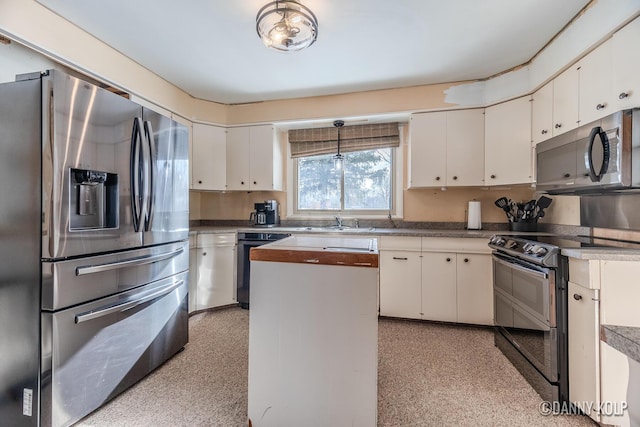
(524, 311)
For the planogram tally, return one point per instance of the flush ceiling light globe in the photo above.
(286, 26)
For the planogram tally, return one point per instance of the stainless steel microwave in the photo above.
(598, 157)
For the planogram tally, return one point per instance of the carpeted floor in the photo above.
(429, 375)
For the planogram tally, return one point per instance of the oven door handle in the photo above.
(135, 301)
(146, 259)
(521, 268)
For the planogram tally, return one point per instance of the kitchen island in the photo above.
(313, 332)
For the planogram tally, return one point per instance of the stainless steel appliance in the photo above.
(530, 311)
(265, 214)
(600, 156)
(94, 223)
(246, 241)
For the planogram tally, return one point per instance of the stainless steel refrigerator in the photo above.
(94, 254)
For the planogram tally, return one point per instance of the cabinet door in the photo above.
(565, 101)
(427, 150)
(400, 284)
(238, 165)
(542, 113)
(508, 152)
(209, 160)
(193, 279)
(261, 157)
(584, 346)
(465, 148)
(626, 57)
(216, 276)
(439, 286)
(475, 289)
(596, 84)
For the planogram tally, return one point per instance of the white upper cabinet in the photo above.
(626, 57)
(596, 84)
(447, 149)
(254, 159)
(428, 150)
(508, 152)
(542, 113)
(565, 101)
(208, 159)
(465, 147)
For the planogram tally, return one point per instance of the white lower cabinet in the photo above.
(193, 273)
(453, 284)
(216, 259)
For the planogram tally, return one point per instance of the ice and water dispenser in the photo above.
(93, 200)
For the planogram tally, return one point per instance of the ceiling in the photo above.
(210, 49)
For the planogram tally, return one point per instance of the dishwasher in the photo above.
(246, 241)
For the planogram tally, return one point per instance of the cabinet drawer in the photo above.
(206, 240)
(585, 273)
(456, 244)
(400, 243)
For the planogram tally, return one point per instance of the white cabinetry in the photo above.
(216, 258)
(565, 101)
(447, 149)
(595, 96)
(626, 57)
(193, 272)
(508, 152)
(542, 113)
(209, 158)
(442, 279)
(254, 159)
(600, 293)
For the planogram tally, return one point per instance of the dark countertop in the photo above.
(625, 339)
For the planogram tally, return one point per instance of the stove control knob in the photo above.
(512, 244)
(540, 251)
(528, 248)
(498, 241)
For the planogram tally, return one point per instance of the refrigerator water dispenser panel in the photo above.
(93, 199)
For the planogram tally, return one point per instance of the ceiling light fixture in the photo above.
(338, 159)
(286, 25)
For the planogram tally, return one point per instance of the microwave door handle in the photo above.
(134, 170)
(134, 302)
(521, 268)
(150, 161)
(606, 154)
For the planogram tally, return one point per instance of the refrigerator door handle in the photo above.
(134, 170)
(148, 130)
(134, 302)
(146, 259)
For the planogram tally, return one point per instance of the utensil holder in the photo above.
(523, 226)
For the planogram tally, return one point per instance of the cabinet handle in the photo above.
(544, 131)
(466, 260)
(400, 258)
(600, 106)
(448, 259)
(437, 178)
(558, 125)
(493, 177)
(577, 297)
(199, 182)
(241, 182)
(455, 178)
(623, 95)
(255, 182)
(204, 254)
(567, 175)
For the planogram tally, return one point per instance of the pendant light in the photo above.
(286, 26)
(338, 159)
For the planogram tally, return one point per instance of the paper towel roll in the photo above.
(473, 216)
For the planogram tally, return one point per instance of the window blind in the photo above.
(319, 141)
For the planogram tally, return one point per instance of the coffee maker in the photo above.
(265, 214)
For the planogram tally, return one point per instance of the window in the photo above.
(364, 183)
(368, 184)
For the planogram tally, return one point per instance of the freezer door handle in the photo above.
(149, 161)
(146, 259)
(135, 301)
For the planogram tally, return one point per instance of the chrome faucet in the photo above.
(338, 221)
